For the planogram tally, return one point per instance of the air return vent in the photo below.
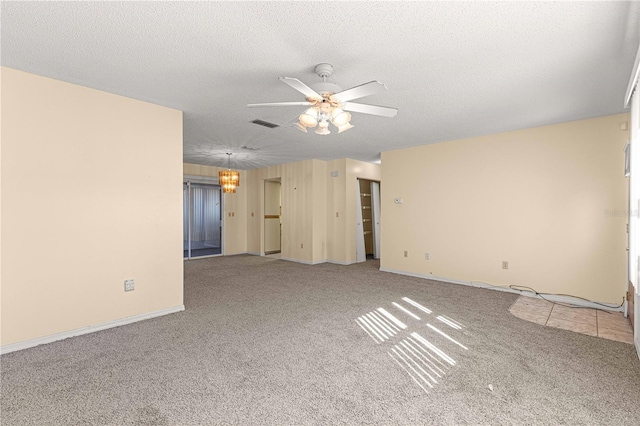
(265, 124)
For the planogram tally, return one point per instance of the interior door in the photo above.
(361, 253)
(633, 295)
(375, 205)
(272, 222)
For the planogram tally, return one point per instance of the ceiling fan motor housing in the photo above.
(324, 70)
(324, 87)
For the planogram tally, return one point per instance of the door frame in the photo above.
(263, 251)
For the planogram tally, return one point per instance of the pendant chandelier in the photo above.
(229, 179)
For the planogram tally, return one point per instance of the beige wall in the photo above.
(319, 210)
(336, 211)
(537, 198)
(341, 206)
(303, 215)
(91, 196)
(311, 197)
(234, 216)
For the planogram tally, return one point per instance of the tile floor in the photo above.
(594, 322)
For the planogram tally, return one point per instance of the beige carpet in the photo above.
(266, 341)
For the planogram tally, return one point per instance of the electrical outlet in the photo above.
(128, 285)
(505, 264)
(426, 256)
(301, 245)
(406, 254)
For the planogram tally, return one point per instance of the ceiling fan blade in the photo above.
(280, 104)
(300, 87)
(370, 109)
(366, 89)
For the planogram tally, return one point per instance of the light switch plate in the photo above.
(128, 285)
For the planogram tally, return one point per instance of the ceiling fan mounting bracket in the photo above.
(324, 70)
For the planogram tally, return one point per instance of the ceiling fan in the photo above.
(328, 103)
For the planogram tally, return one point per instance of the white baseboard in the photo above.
(306, 262)
(235, 254)
(555, 298)
(86, 330)
(340, 262)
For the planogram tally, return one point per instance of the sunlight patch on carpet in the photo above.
(425, 353)
(417, 305)
(445, 335)
(451, 323)
(406, 311)
(392, 318)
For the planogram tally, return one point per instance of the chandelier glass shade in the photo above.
(322, 113)
(229, 179)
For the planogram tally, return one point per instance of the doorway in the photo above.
(368, 220)
(202, 224)
(272, 216)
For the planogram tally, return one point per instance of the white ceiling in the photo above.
(453, 69)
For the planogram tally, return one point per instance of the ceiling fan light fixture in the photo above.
(309, 118)
(326, 101)
(325, 106)
(340, 117)
(323, 128)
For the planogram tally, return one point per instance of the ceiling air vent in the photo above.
(265, 124)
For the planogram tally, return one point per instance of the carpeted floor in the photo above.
(266, 341)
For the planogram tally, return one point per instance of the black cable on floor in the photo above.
(522, 288)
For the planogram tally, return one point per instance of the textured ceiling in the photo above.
(453, 69)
